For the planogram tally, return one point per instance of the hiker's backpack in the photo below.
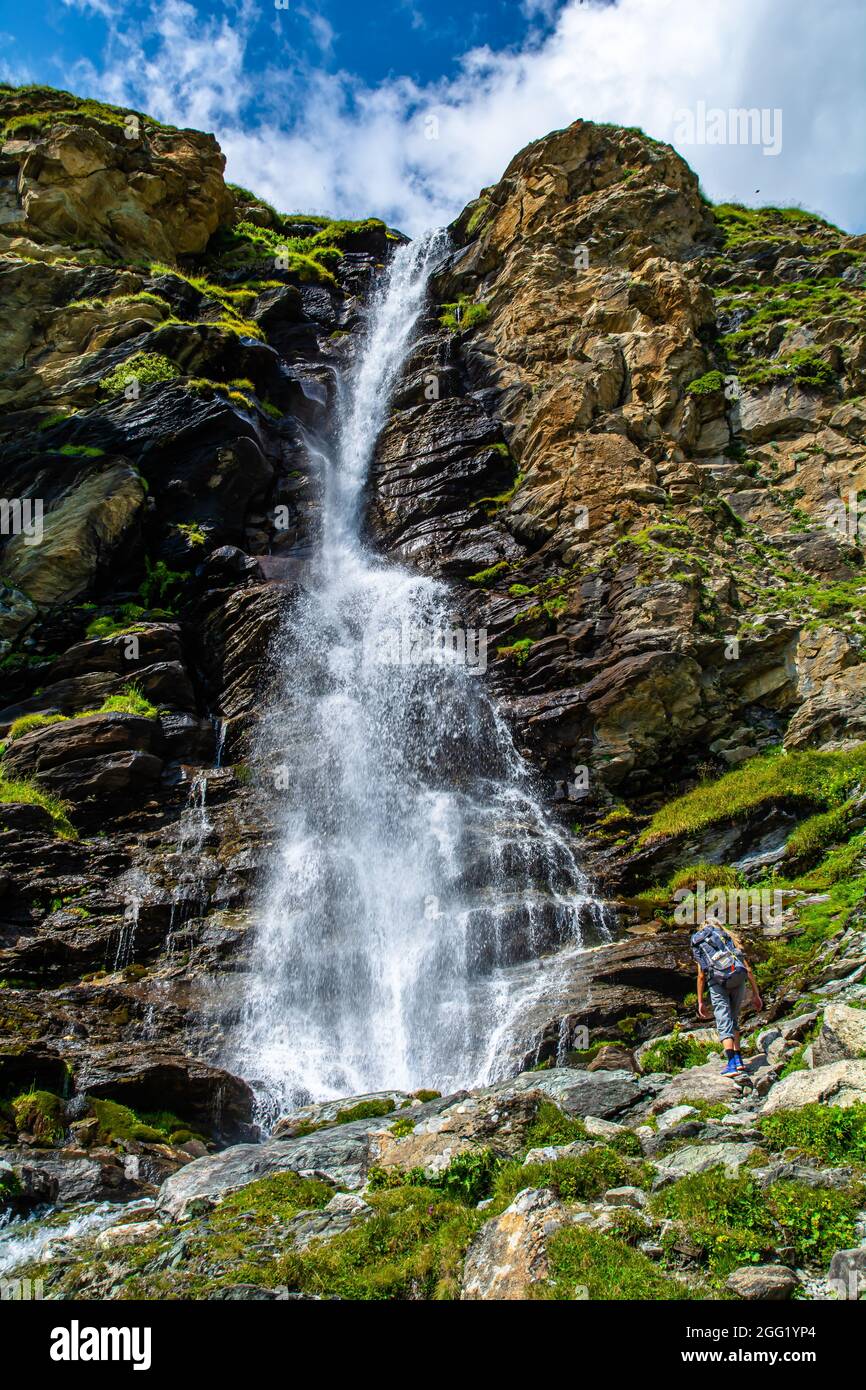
(718, 957)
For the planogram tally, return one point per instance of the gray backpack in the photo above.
(718, 957)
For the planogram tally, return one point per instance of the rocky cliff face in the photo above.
(630, 435)
(153, 420)
(646, 415)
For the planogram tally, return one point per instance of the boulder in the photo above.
(601, 1093)
(81, 530)
(486, 1120)
(842, 1035)
(125, 185)
(326, 1112)
(342, 1213)
(668, 1119)
(146, 1078)
(846, 1276)
(509, 1253)
(130, 1233)
(838, 1083)
(102, 755)
(67, 1181)
(773, 1282)
(340, 1155)
(698, 1158)
(706, 1083)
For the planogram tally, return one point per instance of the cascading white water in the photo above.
(416, 873)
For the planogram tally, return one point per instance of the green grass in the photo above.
(576, 1178)
(118, 1123)
(676, 1054)
(552, 1126)
(834, 1134)
(732, 1221)
(26, 722)
(162, 585)
(805, 367)
(487, 576)
(463, 314)
(127, 620)
(468, 1177)
(517, 651)
(147, 368)
(21, 792)
(129, 701)
(806, 778)
(606, 1268)
(364, 1110)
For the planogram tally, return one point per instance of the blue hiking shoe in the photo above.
(733, 1067)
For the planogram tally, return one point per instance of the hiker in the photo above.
(723, 966)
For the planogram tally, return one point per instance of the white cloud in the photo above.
(331, 143)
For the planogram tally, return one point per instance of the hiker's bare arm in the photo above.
(703, 1011)
(757, 1002)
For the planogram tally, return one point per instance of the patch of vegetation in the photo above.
(803, 777)
(487, 576)
(21, 792)
(468, 1178)
(27, 722)
(130, 701)
(463, 314)
(147, 368)
(84, 451)
(191, 532)
(364, 1110)
(574, 1178)
(832, 1133)
(517, 651)
(118, 1122)
(412, 1247)
(162, 585)
(733, 1221)
(41, 1114)
(677, 1053)
(552, 1126)
(607, 1268)
(127, 620)
(805, 367)
(707, 384)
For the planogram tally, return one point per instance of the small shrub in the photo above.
(147, 368)
(462, 315)
(676, 1054)
(364, 1110)
(707, 384)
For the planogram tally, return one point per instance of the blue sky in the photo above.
(406, 108)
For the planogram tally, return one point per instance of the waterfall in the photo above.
(419, 900)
